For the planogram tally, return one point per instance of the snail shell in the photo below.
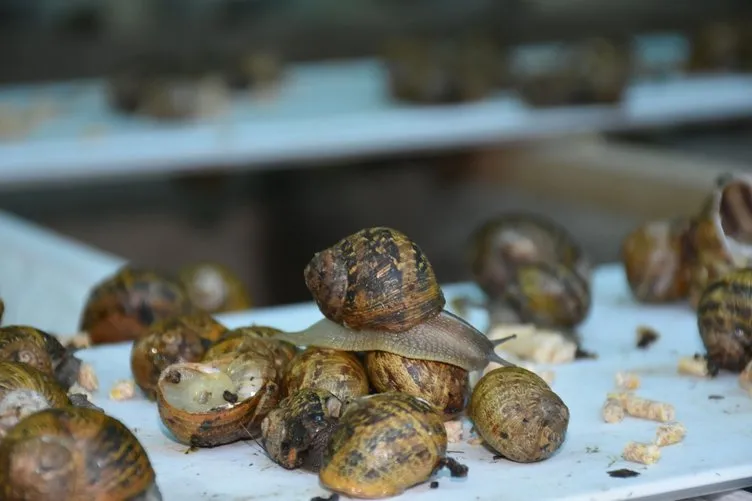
(724, 322)
(25, 390)
(212, 287)
(444, 386)
(297, 431)
(375, 279)
(244, 338)
(338, 372)
(384, 444)
(73, 454)
(122, 307)
(24, 344)
(656, 260)
(717, 47)
(518, 415)
(219, 401)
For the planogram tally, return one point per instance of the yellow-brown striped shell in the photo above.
(657, 259)
(384, 444)
(73, 454)
(214, 288)
(219, 401)
(724, 319)
(28, 345)
(244, 338)
(122, 307)
(518, 415)
(444, 386)
(339, 372)
(25, 390)
(374, 279)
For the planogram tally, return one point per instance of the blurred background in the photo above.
(257, 132)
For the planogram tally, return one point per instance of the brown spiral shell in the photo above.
(73, 454)
(123, 306)
(339, 372)
(244, 338)
(374, 279)
(21, 343)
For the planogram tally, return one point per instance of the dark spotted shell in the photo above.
(375, 279)
(122, 307)
(72, 454)
(339, 372)
(724, 318)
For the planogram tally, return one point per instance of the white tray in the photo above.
(714, 456)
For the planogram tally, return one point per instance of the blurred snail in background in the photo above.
(73, 454)
(532, 267)
(657, 259)
(123, 306)
(385, 444)
(212, 287)
(28, 345)
(720, 46)
(177, 339)
(378, 292)
(518, 415)
(25, 390)
(339, 372)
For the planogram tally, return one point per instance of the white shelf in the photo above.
(322, 111)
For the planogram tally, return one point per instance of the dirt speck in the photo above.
(623, 473)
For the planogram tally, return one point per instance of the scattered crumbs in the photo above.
(592, 450)
(646, 336)
(669, 434)
(612, 411)
(643, 408)
(87, 378)
(637, 452)
(716, 397)
(333, 497)
(627, 380)
(435, 484)
(497, 457)
(191, 449)
(623, 473)
(123, 389)
(581, 354)
(696, 365)
(453, 431)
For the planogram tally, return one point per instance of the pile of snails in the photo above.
(384, 369)
(704, 260)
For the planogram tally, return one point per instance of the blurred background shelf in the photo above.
(68, 132)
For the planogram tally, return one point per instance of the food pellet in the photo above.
(637, 452)
(87, 378)
(693, 366)
(627, 381)
(645, 409)
(123, 390)
(453, 431)
(612, 411)
(745, 379)
(669, 434)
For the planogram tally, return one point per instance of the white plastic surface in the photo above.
(321, 111)
(714, 457)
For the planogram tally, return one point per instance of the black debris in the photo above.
(435, 484)
(230, 397)
(333, 497)
(456, 469)
(581, 354)
(623, 473)
(646, 337)
(497, 457)
(716, 397)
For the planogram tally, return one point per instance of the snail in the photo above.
(72, 454)
(218, 401)
(385, 444)
(21, 343)
(256, 70)
(657, 258)
(724, 322)
(518, 415)
(295, 434)
(178, 339)
(533, 267)
(25, 390)
(338, 372)
(243, 338)
(721, 235)
(123, 306)
(214, 288)
(444, 386)
(717, 46)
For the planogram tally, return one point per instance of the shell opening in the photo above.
(18, 404)
(735, 211)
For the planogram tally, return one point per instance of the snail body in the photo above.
(125, 305)
(72, 454)
(214, 288)
(40, 350)
(518, 415)
(339, 372)
(656, 259)
(444, 386)
(296, 433)
(376, 279)
(724, 322)
(25, 390)
(384, 444)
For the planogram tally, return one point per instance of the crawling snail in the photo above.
(534, 267)
(657, 259)
(338, 372)
(724, 322)
(25, 390)
(21, 343)
(518, 415)
(385, 444)
(123, 306)
(214, 288)
(378, 292)
(72, 454)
